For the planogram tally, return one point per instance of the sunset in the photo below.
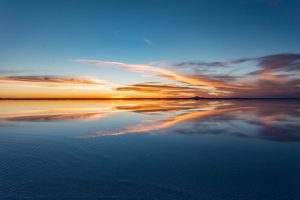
(149, 99)
(101, 49)
(273, 76)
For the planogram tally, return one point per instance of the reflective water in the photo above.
(150, 149)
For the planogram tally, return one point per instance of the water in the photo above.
(150, 149)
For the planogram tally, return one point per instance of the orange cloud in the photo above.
(168, 73)
(167, 90)
(270, 76)
(51, 79)
(50, 86)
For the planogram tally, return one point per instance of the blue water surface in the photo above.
(150, 150)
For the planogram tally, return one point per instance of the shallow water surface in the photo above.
(150, 149)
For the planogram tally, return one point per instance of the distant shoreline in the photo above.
(81, 99)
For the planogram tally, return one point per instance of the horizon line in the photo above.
(170, 98)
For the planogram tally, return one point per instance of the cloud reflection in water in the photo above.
(270, 120)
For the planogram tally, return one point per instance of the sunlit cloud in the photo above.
(54, 87)
(267, 76)
(167, 90)
(51, 79)
(168, 74)
(270, 76)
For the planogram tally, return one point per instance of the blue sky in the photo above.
(44, 36)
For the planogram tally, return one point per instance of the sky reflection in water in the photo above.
(270, 120)
(212, 150)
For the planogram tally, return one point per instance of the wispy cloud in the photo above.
(267, 76)
(148, 41)
(277, 62)
(167, 90)
(51, 79)
(164, 73)
(271, 76)
(5, 72)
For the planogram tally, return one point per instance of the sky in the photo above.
(149, 48)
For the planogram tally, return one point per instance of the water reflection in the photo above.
(269, 120)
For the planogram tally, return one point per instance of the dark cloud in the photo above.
(199, 64)
(272, 76)
(267, 76)
(289, 62)
(279, 62)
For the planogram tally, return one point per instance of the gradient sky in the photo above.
(154, 48)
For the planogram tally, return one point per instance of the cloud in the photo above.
(164, 73)
(12, 71)
(267, 76)
(271, 76)
(148, 41)
(51, 79)
(277, 76)
(198, 64)
(152, 87)
(167, 90)
(277, 62)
